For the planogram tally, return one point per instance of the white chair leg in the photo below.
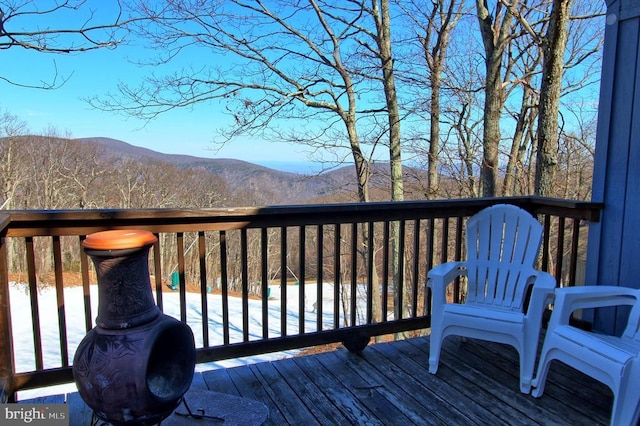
(527, 360)
(541, 375)
(434, 351)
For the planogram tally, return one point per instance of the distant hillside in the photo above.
(271, 186)
(126, 150)
(253, 184)
(264, 185)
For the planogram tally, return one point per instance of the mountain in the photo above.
(263, 184)
(253, 184)
(125, 150)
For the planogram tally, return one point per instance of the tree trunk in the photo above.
(554, 45)
(495, 38)
(383, 29)
(434, 139)
(512, 173)
(383, 24)
(491, 134)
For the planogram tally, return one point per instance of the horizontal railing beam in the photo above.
(237, 350)
(83, 222)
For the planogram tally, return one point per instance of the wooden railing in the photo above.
(258, 255)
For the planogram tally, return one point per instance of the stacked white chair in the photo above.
(612, 360)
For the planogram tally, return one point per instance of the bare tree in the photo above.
(30, 25)
(433, 27)
(83, 169)
(48, 156)
(554, 45)
(379, 12)
(563, 35)
(496, 28)
(461, 152)
(273, 65)
(12, 159)
(524, 54)
(576, 153)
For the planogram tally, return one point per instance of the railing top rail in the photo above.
(5, 220)
(82, 222)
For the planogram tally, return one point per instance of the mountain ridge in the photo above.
(269, 186)
(242, 182)
(264, 185)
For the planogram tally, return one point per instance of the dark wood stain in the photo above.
(389, 384)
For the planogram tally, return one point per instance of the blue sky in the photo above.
(96, 73)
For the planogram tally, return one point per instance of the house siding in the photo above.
(614, 241)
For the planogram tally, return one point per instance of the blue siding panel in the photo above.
(615, 241)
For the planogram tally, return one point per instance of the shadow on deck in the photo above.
(389, 384)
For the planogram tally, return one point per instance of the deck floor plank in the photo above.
(316, 402)
(283, 396)
(426, 404)
(500, 379)
(565, 385)
(357, 406)
(496, 366)
(461, 393)
(373, 394)
(249, 386)
(566, 377)
(389, 384)
(218, 380)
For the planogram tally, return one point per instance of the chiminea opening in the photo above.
(167, 377)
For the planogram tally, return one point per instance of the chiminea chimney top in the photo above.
(119, 239)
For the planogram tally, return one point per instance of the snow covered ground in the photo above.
(74, 311)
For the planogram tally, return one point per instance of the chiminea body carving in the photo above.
(134, 367)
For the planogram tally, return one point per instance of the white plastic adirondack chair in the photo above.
(614, 361)
(502, 246)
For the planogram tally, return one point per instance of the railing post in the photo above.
(6, 346)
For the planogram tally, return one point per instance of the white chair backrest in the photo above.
(501, 240)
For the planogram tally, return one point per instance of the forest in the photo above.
(499, 97)
(422, 100)
(88, 175)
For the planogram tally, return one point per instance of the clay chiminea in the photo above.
(137, 363)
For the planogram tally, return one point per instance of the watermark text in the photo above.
(34, 414)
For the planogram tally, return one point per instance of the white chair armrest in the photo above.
(570, 299)
(543, 291)
(441, 276)
(438, 279)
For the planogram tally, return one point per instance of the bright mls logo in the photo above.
(35, 414)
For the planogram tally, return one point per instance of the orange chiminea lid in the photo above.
(119, 239)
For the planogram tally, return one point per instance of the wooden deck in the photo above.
(389, 384)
